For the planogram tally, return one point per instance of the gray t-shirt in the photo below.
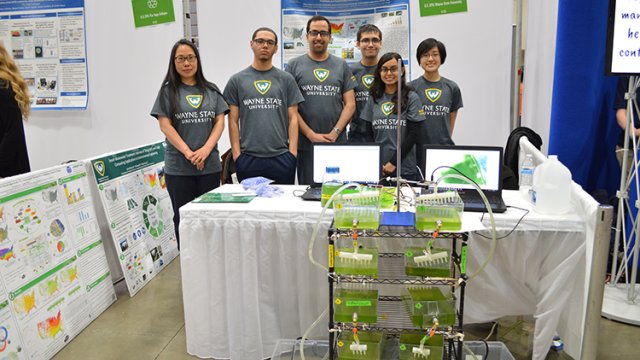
(438, 99)
(193, 120)
(322, 84)
(383, 118)
(364, 79)
(263, 99)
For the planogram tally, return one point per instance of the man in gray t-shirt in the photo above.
(263, 127)
(369, 42)
(327, 85)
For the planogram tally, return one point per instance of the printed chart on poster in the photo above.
(55, 276)
(47, 41)
(138, 209)
(391, 16)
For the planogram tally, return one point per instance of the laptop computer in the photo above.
(357, 162)
(481, 164)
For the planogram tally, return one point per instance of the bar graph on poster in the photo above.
(55, 277)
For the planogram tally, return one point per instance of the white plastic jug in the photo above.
(551, 187)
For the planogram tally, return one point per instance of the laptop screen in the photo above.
(357, 162)
(479, 163)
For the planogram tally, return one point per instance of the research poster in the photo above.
(391, 16)
(47, 40)
(133, 193)
(55, 277)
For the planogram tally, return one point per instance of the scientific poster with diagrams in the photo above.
(54, 275)
(136, 203)
(47, 40)
(391, 16)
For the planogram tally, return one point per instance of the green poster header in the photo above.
(439, 7)
(126, 162)
(152, 12)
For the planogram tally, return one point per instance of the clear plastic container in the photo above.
(425, 303)
(409, 341)
(551, 187)
(373, 340)
(356, 298)
(446, 207)
(420, 262)
(362, 206)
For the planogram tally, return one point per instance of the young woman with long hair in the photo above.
(15, 105)
(380, 115)
(190, 111)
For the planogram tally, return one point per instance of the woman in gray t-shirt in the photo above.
(380, 116)
(190, 111)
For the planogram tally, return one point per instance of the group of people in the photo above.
(275, 115)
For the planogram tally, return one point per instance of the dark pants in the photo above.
(305, 167)
(183, 189)
(281, 169)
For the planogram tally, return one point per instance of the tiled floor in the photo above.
(151, 326)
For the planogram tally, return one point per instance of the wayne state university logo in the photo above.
(262, 86)
(321, 74)
(387, 107)
(367, 80)
(194, 100)
(99, 166)
(433, 94)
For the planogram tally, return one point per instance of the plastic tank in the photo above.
(551, 187)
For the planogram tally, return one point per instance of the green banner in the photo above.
(126, 162)
(152, 12)
(439, 7)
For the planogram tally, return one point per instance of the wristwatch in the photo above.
(337, 130)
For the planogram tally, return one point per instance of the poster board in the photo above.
(623, 38)
(138, 210)
(47, 41)
(390, 16)
(54, 275)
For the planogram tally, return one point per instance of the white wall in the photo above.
(478, 55)
(126, 67)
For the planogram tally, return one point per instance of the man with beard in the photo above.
(327, 85)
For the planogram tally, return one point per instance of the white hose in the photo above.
(314, 233)
(492, 247)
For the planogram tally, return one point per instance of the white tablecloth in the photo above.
(247, 281)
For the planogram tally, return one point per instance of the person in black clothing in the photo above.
(15, 106)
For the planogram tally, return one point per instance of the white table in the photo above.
(247, 280)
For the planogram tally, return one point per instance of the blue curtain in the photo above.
(583, 129)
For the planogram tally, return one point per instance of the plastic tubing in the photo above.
(316, 226)
(314, 233)
(492, 247)
(306, 333)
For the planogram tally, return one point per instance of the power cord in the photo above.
(526, 212)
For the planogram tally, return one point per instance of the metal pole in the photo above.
(596, 282)
(186, 10)
(516, 62)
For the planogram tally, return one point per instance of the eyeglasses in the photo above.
(432, 55)
(314, 33)
(261, 42)
(181, 59)
(370, 41)
(393, 69)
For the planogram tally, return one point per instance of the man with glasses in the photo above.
(263, 122)
(327, 85)
(369, 41)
